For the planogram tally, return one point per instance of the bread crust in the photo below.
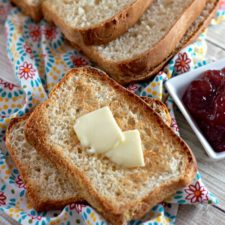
(160, 107)
(187, 39)
(33, 11)
(36, 200)
(36, 135)
(104, 32)
(147, 64)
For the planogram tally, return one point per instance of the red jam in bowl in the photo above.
(205, 100)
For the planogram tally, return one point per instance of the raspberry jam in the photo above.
(205, 100)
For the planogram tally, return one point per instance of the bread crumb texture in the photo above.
(80, 14)
(33, 2)
(43, 177)
(152, 27)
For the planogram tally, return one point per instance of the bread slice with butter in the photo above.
(120, 194)
(42, 179)
(47, 189)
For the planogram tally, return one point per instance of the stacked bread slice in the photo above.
(47, 188)
(130, 50)
(120, 194)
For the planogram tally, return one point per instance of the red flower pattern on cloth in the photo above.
(2, 198)
(174, 125)
(4, 9)
(7, 85)
(26, 71)
(78, 61)
(222, 5)
(34, 217)
(19, 182)
(35, 32)
(133, 88)
(77, 206)
(50, 32)
(27, 48)
(196, 193)
(182, 63)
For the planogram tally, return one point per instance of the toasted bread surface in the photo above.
(118, 193)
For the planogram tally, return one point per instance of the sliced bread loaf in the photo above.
(193, 32)
(118, 193)
(134, 55)
(46, 187)
(31, 8)
(94, 21)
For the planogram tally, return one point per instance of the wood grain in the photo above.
(6, 70)
(200, 215)
(216, 35)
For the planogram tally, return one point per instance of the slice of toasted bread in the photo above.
(31, 8)
(94, 22)
(140, 67)
(118, 193)
(47, 189)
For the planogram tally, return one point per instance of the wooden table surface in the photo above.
(213, 173)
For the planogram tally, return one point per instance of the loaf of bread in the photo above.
(147, 46)
(118, 193)
(129, 70)
(135, 55)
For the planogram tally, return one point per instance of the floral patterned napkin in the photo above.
(40, 56)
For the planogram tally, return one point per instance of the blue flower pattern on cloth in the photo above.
(40, 56)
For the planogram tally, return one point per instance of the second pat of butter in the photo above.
(98, 130)
(128, 153)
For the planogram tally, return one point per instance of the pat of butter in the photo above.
(98, 130)
(128, 153)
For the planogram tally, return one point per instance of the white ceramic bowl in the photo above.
(176, 88)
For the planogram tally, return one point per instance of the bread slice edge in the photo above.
(35, 199)
(105, 31)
